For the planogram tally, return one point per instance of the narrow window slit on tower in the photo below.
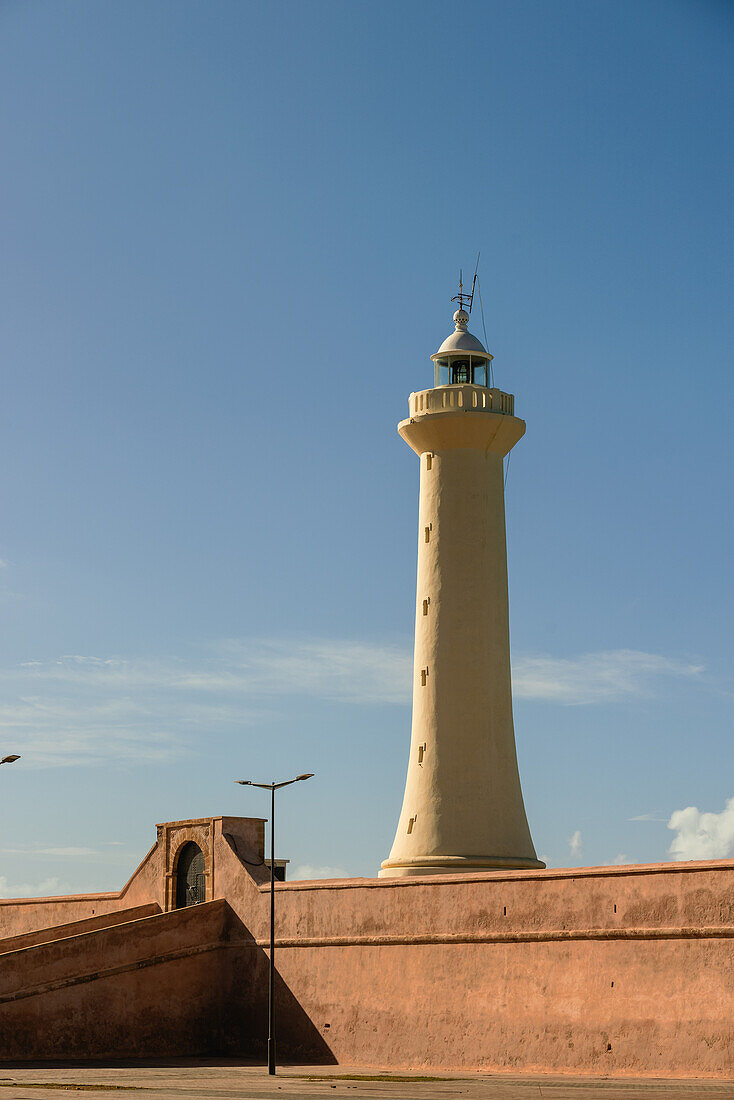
(428, 534)
(411, 823)
(504, 911)
(424, 676)
(421, 753)
(429, 461)
(425, 606)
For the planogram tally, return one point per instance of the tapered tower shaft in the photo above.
(463, 807)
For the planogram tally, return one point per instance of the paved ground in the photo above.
(183, 1080)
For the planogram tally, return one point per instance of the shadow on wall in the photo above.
(244, 1025)
(191, 981)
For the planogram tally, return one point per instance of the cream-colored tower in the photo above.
(463, 808)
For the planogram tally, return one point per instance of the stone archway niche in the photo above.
(190, 875)
(173, 839)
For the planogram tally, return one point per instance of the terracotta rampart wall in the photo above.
(500, 970)
(20, 915)
(614, 970)
(77, 927)
(606, 970)
(154, 986)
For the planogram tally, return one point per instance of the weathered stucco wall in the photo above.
(610, 970)
(77, 928)
(616, 970)
(154, 986)
(20, 915)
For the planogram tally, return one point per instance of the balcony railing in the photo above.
(469, 398)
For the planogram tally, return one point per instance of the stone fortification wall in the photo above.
(149, 987)
(21, 915)
(614, 970)
(78, 927)
(625, 970)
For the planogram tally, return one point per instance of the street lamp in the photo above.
(272, 787)
(9, 759)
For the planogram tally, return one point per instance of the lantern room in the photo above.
(461, 359)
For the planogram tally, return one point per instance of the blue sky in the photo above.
(230, 233)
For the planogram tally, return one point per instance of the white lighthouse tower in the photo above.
(463, 808)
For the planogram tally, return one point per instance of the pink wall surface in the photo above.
(21, 915)
(613, 970)
(77, 927)
(153, 986)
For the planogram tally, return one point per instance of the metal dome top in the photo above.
(461, 340)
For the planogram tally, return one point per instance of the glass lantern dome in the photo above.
(461, 359)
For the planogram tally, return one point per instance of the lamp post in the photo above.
(10, 759)
(272, 787)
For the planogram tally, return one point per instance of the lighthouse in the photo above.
(463, 808)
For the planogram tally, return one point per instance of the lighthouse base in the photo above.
(456, 865)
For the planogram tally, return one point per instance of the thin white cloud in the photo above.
(620, 860)
(594, 677)
(84, 726)
(352, 672)
(356, 672)
(40, 851)
(48, 887)
(308, 871)
(575, 843)
(654, 816)
(702, 835)
(83, 709)
(4, 564)
(338, 670)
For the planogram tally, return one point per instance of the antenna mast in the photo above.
(466, 299)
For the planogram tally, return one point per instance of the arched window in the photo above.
(190, 877)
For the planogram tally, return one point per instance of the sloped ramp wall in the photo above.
(78, 927)
(152, 986)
